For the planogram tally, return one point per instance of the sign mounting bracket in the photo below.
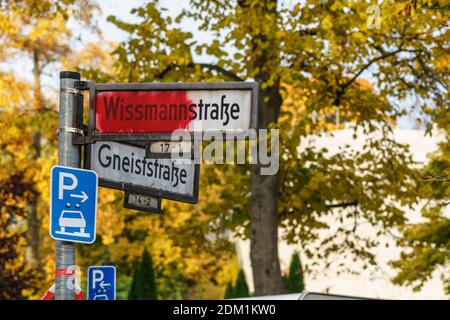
(80, 129)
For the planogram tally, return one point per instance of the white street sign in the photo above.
(125, 167)
(153, 111)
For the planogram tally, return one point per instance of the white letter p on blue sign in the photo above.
(62, 186)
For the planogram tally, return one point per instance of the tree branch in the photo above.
(343, 204)
(383, 55)
(370, 63)
(209, 66)
(353, 203)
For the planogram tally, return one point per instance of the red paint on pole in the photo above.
(143, 111)
(64, 272)
(50, 294)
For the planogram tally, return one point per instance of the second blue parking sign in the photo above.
(73, 204)
(101, 283)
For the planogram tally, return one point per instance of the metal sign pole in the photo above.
(69, 155)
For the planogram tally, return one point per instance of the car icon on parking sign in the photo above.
(72, 219)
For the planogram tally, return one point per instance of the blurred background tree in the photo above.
(35, 31)
(229, 291)
(294, 280)
(427, 243)
(17, 279)
(239, 289)
(143, 285)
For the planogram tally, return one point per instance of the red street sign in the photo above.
(151, 111)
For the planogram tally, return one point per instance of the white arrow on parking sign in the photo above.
(82, 196)
(103, 284)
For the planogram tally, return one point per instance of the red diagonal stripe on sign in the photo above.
(142, 111)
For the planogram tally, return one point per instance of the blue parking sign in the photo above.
(73, 204)
(101, 283)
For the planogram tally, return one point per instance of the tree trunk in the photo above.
(264, 214)
(33, 216)
(33, 219)
(264, 208)
(264, 235)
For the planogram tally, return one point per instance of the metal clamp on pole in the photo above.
(76, 89)
(71, 130)
(72, 90)
(83, 85)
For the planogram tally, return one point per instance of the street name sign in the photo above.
(125, 167)
(101, 283)
(152, 111)
(142, 202)
(73, 204)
